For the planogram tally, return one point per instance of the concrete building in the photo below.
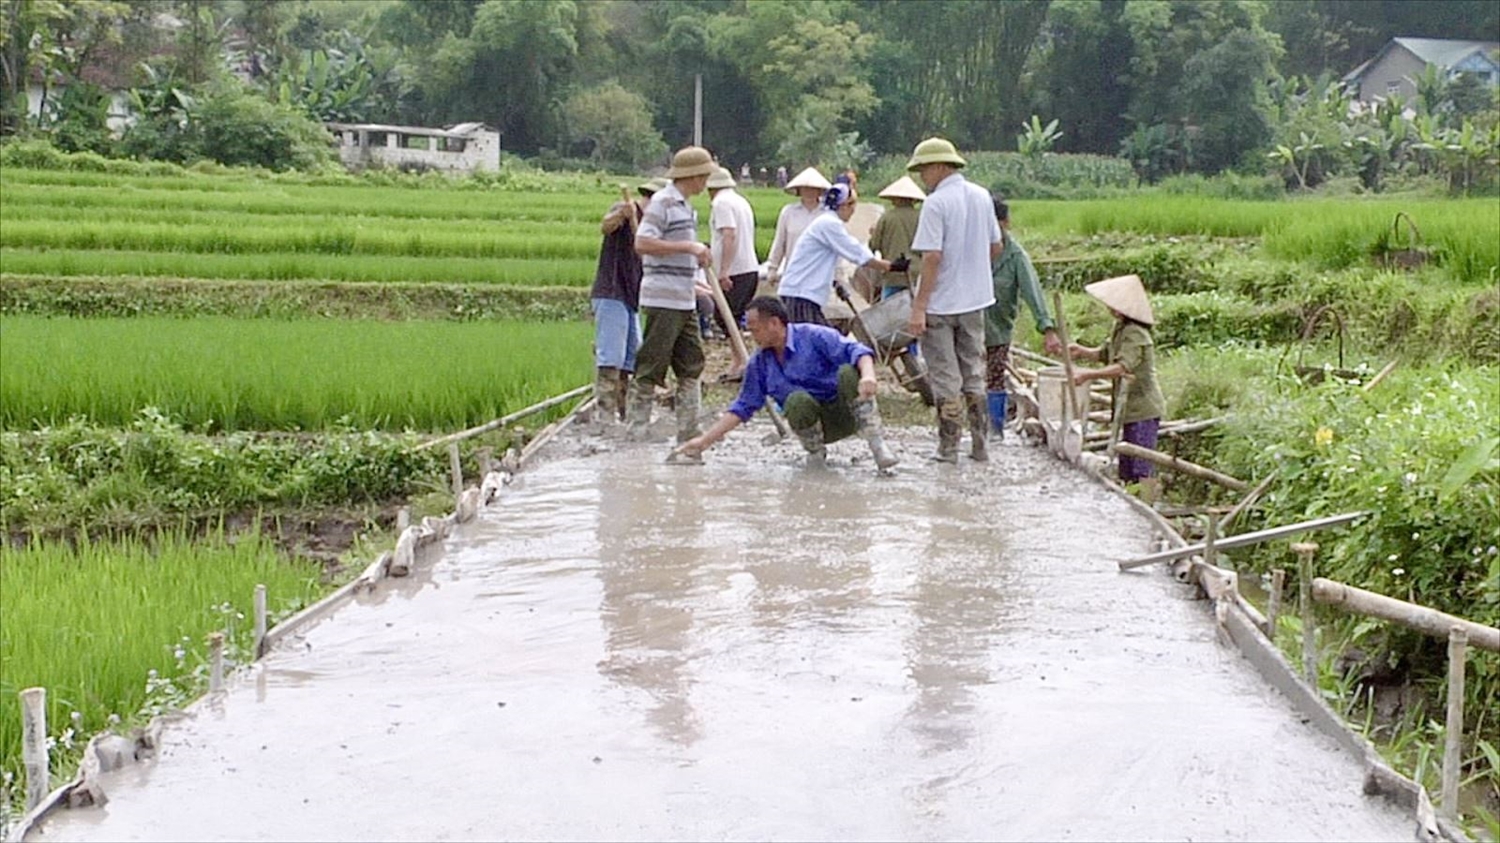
(1394, 70)
(466, 147)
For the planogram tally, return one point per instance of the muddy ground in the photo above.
(621, 649)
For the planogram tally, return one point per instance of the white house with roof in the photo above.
(1394, 70)
(466, 147)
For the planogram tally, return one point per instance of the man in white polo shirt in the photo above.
(958, 237)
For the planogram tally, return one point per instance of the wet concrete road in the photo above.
(626, 650)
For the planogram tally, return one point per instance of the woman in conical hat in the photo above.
(794, 218)
(1129, 356)
(894, 231)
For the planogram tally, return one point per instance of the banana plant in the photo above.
(1037, 138)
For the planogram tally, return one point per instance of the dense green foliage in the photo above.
(149, 471)
(1173, 86)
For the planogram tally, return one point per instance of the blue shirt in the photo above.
(813, 355)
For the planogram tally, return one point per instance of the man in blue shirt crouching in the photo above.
(823, 381)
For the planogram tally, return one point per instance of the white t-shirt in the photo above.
(958, 219)
(731, 210)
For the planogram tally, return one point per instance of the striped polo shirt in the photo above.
(667, 280)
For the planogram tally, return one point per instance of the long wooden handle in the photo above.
(1071, 398)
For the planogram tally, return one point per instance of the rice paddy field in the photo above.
(114, 625)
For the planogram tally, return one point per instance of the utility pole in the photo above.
(697, 109)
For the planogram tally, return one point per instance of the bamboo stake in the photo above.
(1245, 539)
(1420, 618)
(215, 662)
(1169, 461)
(505, 420)
(1273, 609)
(34, 745)
(260, 620)
(456, 469)
(1453, 734)
(1305, 551)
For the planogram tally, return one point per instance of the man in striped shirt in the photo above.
(671, 254)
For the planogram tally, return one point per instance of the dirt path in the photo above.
(626, 650)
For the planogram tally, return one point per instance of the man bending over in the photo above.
(823, 381)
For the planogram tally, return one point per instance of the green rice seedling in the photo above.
(430, 240)
(114, 630)
(520, 272)
(236, 374)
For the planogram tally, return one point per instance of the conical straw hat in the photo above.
(808, 178)
(903, 188)
(1125, 295)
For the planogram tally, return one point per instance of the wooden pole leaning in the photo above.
(1458, 641)
(1180, 465)
(34, 745)
(1244, 539)
(505, 420)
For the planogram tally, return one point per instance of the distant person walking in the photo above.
(1015, 281)
(615, 302)
(732, 223)
(958, 236)
(808, 187)
(781, 178)
(671, 255)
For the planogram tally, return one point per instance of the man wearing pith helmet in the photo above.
(671, 254)
(958, 237)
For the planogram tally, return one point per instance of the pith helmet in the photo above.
(650, 186)
(935, 151)
(720, 179)
(1125, 294)
(691, 161)
(809, 177)
(903, 188)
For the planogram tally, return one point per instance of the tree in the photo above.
(960, 67)
(1223, 94)
(615, 125)
(1077, 73)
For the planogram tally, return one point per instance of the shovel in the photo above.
(1072, 418)
(741, 360)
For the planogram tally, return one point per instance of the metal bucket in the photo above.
(885, 321)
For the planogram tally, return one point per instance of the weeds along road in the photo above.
(625, 650)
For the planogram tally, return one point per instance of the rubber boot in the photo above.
(812, 440)
(979, 428)
(623, 397)
(642, 401)
(998, 400)
(868, 419)
(688, 398)
(949, 419)
(606, 396)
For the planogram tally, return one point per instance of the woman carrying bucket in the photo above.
(1128, 355)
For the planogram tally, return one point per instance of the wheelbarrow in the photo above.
(882, 326)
